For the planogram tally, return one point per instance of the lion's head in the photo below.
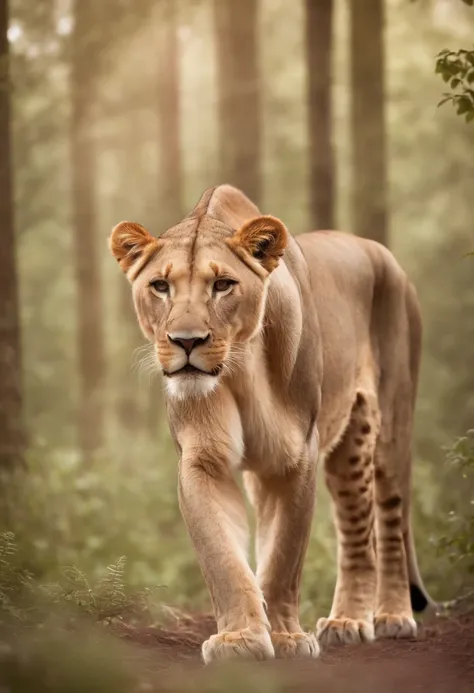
(199, 289)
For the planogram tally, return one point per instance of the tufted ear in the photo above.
(264, 238)
(129, 242)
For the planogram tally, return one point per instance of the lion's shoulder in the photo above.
(347, 260)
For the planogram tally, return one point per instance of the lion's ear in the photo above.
(129, 241)
(264, 238)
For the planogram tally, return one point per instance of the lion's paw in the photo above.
(343, 631)
(394, 626)
(239, 644)
(290, 645)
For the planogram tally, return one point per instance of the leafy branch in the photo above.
(458, 543)
(456, 68)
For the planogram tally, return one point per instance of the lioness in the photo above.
(276, 352)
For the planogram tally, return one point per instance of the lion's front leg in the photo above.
(214, 513)
(284, 508)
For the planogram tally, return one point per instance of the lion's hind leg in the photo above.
(393, 614)
(349, 472)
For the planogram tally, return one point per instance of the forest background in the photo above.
(326, 114)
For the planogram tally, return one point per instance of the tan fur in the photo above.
(313, 355)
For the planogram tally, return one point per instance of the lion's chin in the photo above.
(186, 387)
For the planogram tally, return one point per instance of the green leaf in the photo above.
(455, 82)
(464, 105)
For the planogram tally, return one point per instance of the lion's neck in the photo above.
(286, 352)
(270, 357)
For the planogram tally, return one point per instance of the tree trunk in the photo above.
(318, 22)
(170, 158)
(369, 177)
(168, 119)
(129, 401)
(89, 291)
(11, 429)
(239, 95)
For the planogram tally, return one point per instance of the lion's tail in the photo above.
(421, 602)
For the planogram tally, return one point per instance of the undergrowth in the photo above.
(457, 543)
(109, 597)
(58, 635)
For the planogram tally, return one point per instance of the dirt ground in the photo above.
(441, 660)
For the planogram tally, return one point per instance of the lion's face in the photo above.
(199, 293)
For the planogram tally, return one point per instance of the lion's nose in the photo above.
(187, 342)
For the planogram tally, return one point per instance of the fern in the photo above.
(8, 546)
(76, 588)
(14, 582)
(112, 599)
(106, 599)
(114, 580)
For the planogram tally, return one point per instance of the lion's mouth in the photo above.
(192, 370)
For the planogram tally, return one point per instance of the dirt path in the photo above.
(440, 661)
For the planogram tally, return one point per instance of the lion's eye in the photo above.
(160, 286)
(223, 284)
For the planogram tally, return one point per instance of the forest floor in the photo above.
(441, 660)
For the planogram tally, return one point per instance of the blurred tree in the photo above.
(369, 176)
(39, 69)
(170, 175)
(239, 94)
(129, 413)
(170, 155)
(319, 36)
(447, 334)
(84, 166)
(131, 97)
(11, 438)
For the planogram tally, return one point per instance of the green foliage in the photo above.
(54, 642)
(457, 69)
(13, 580)
(64, 515)
(125, 501)
(109, 597)
(24, 598)
(458, 542)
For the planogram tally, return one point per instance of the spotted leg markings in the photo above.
(393, 615)
(350, 479)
